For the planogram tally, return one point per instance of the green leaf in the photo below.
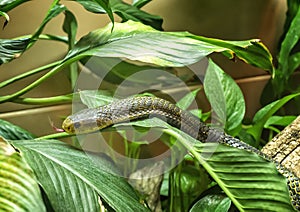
(252, 51)
(225, 96)
(12, 48)
(283, 72)
(115, 74)
(7, 5)
(290, 40)
(125, 11)
(13, 132)
(70, 27)
(251, 182)
(294, 62)
(54, 11)
(98, 6)
(293, 6)
(262, 116)
(19, 190)
(72, 179)
(212, 203)
(188, 99)
(93, 98)
(140, 3)
(279, 121)
(189, 181)
(91, 6)
(129, 12)
(135, 41)
(105, 4)
(6, 16)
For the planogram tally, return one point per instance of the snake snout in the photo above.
(68, 126)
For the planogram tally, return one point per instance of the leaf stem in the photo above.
(28, 73)
(54, 136)
(45, 101)
(52, 72)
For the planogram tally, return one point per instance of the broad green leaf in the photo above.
(252, 51)
(115, 74)
(13, 132)
(251, 182)
(92, 98)
(136, 41)
(187, 100)
(19, 190)
(7, 5)
(225, 96)
(262, 116)
(279, 121)
(125, 11)
(12, 48)
(212, 203)
(72, 179)
(65, 191)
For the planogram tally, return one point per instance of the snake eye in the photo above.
(76, 125)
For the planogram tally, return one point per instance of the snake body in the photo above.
(90, 120)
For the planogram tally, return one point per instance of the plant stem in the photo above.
(28, 73)
(52, 72)
(62, 39)
(45, 101)
(73, 74)
(55, 136)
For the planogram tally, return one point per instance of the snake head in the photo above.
(86, 121)
(68, 126)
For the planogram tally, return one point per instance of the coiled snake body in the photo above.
(90, 120)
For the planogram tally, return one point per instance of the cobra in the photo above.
(90, 120)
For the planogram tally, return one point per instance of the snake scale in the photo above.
(90, 120)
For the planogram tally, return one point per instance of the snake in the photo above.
(142, 107)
